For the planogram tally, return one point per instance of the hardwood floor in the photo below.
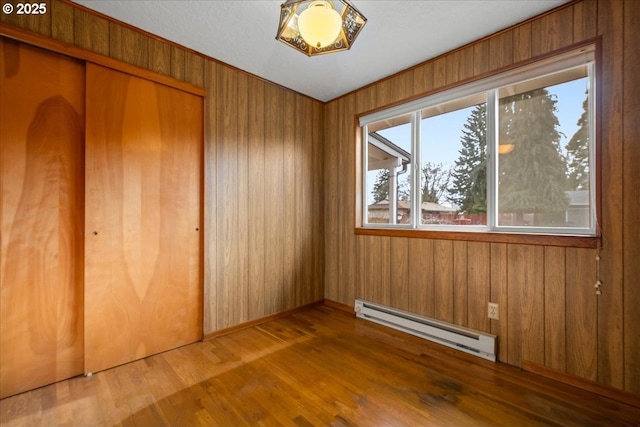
(317, 367)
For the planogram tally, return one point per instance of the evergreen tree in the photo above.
(578, 153)
(532, 177)
(381, 186)
(435, 182)
(469, 188)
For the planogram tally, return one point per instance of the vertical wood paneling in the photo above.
(439, 72)
(526, 303)
(90, 32)
(318, 213)
(193, 69)
(522, 39)
(289, 208)
(177, 62)
(460, 283)
(478, 285)
(611, 359)
(631, 149)
(346, 200)
(585, 20)
(555, 324)
(423, 78)
(128, 45)
(62, 21)
(274, 200)
(160, 57)
(443, 279)
(552, 31)
(399, 273)
(581, 304)
(227, 213)
(480, 57)
(421, 273)
(211, 200)
(256, 200)
(330, 202)
(501, 50)
(499, 295)
(240, 293)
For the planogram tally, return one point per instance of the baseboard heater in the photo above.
(463, 339)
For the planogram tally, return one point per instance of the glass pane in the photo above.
(543, 160)
(453, 182)
(388, 166)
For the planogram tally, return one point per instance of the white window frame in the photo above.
(584, 56)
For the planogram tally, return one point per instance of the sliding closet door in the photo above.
(41, 211)
(143, 287)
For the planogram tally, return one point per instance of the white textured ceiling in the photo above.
(398, 34)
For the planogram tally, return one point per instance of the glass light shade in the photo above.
(319, 24)
(299, 29)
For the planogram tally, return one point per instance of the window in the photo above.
(512, 153)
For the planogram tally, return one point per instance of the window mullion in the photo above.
(492, 158)
(416, 202)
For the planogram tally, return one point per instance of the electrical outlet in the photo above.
(494, 311)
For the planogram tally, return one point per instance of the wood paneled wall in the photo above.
(549, 313)
(264, 244)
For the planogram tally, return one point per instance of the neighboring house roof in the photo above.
(380, 148)
(406, 205)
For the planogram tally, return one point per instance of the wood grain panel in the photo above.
(421, 273)
(480, 57)
(287, 232)
(177, 63)
(128, 45)
(330, 203)
(194, 69)
(478, 285)
(90, 32)
(210, 200)
(522, 39)
(581, 314)
(62, 21)
(346, 199)
(555, 304)
(318, 223)
(422, 79)
(630, 194)
(228, 203)
(585, 20)
(460, 283)
(499, 294)
(274, 201)
(552, 31)
(159, 59)
(439, 72)
(41, 212)
(501, 50)
(143, 225)
(256, 200)
(611, 370)
(526, 303)
(239, 294)
(399, 274)
(443, 279)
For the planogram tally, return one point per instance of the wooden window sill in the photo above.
(590, 242)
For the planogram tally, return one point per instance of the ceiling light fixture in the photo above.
(317, 27)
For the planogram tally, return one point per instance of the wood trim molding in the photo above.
(588, 242)
(72, 51)
(603, 390)
(245, 325)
